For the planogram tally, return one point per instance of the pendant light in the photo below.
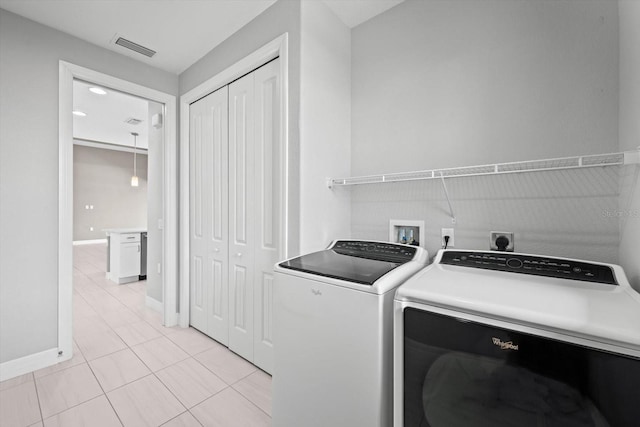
(134, 178)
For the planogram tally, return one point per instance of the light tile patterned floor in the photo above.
(129, 370)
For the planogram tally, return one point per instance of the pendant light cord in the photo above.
(135, 145)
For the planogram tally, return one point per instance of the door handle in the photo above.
(138, 248)
(216, 250)
(239, 255)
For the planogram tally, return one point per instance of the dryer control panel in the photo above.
(531, 264)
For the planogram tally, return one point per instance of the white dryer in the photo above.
(333, 333)
(491, 338)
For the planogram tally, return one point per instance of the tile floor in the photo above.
(129, 370)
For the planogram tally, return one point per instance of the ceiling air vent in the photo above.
(133, 121)
(135, 47)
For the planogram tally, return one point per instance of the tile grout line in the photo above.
(72, 406)
(181, 414)
(104, 393)
(246, 397)
(35, 385)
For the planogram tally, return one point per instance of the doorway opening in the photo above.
(117, 192)
(114, 154)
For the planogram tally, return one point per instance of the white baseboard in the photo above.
(154, 304)
(30, 363)
(88, 242)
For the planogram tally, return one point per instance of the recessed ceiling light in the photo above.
(79, 113)
(98, 90)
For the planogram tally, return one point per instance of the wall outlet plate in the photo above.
(448, 232)
(495, 235)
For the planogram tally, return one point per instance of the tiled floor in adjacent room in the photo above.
(129, 370)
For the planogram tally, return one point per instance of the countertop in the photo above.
(124, 230)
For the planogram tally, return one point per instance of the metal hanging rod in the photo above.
(577, 162)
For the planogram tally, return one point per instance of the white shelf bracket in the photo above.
(446, 193)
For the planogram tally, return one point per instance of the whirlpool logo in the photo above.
(509, 345)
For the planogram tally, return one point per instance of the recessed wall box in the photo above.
(408, 232)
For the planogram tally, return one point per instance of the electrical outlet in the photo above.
(502, 241)
(447, 232)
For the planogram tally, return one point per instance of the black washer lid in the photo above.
(354, 261)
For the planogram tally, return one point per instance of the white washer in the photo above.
(333, 333)
(491, 338)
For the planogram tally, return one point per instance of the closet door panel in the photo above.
(268, 215)
(241, 215)
(197, 232)
(209, 217)
(217, 186)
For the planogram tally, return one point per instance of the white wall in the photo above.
(30, 55)
(325, 125)
(282, 17)
(102, 179)
(439, 84)
(630, 138)
(450, 83)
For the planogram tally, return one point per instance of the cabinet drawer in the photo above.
(129, 237)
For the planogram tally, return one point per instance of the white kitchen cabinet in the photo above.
(234, 212)
(129, 259)
(124, 255)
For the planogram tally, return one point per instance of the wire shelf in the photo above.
(577, 162)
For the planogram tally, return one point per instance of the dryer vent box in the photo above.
(408, 232)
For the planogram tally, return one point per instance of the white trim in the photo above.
(89, 242)
(68, 72)
(273, 49)
(109, 146)
(65, 210)
(153, 304)
(33, 362)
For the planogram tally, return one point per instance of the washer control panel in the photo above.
(531, 264)
(375, 250)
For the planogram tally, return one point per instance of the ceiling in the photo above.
(107, 115)
(166, 26)
(180, 31)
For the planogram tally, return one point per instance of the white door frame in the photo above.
(69, 72)
(273, 49)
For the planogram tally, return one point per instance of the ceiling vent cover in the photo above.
(133, 121)
(135, 47)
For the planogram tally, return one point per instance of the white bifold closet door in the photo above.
(237, 190)
(209, 235)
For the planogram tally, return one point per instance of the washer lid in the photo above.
(354, 261)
